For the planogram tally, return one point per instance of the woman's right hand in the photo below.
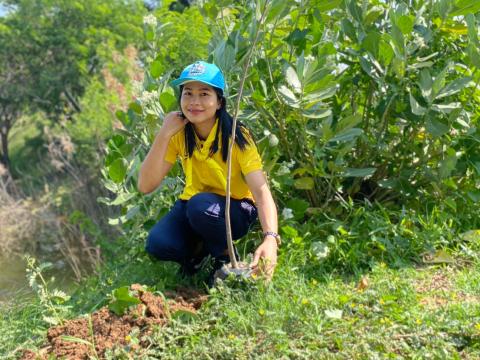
(173, 123)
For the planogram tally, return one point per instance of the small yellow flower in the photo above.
(419, 321)
(231, 336)
(381, 301)
(261, 312)
(254, 276)
(128, 338)
(477, 326)
(305, 301)
(352, 305)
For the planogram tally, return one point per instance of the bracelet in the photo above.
(275, 235)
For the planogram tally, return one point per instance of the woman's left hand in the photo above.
(265, 258)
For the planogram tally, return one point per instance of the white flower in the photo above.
(148, 96)
(150, 20)
(266, 132)
(287, 213)
(273, 140)
(137, 87)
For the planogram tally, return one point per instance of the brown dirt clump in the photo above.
(90, 336)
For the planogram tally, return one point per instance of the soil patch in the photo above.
(89, 336)
(438, 290)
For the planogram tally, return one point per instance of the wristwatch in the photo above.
(275, 235)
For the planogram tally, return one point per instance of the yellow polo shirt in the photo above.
(204, 173)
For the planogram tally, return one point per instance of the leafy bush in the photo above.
(349, 103)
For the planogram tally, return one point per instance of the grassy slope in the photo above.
(402, 313)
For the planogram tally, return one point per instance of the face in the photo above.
(199, 102)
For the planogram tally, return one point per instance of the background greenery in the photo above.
(365, 113)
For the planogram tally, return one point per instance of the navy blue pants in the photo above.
(199, 223)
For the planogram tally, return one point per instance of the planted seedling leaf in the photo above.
(122, 300)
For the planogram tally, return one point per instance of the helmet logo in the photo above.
(196, 69)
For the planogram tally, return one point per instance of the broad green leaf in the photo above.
(326, 5)
(156, 69)
(417, 109)
(292, 79)
(355, 11)
(446, 108)
(371, 43)
(465, 7)
(289, 231)
(448, 164)
(316, 113)
(439, 82)
(398, 39)
(305, 183)
(348, 122)
(168, 102)
(436, 128)
(288, 96)
(122, 198)
(122, 116)
(298, 206)
(122, 300)
(117, 170)
(405, 24)
(347, 135)
(454, 87)
(348, 29)
(472, 30)
(425, 84)
(320, 95)
(135, 107)
(385, 53)
(473, 55)
(277, 8)
(364, 172)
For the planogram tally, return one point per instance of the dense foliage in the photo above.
(366, 114)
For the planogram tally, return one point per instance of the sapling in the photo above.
(238, 269)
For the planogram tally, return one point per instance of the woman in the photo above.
(199, 135)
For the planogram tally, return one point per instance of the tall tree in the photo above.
(51, 49)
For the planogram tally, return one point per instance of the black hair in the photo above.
(243, 136)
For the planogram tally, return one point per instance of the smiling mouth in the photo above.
(195, 111)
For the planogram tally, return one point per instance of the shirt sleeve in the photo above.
(249, 159)
(172, 150)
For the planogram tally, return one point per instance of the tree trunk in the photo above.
(4, 155)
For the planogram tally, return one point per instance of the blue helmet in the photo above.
(203, 72)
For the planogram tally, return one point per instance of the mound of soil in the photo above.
(91, 336)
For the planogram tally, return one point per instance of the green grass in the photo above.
(427, 312)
